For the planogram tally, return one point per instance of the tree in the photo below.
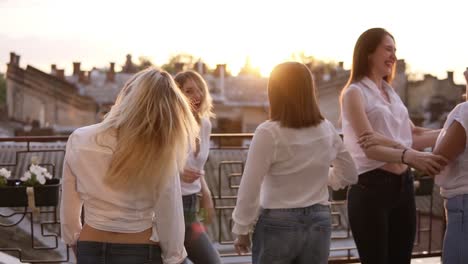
(178, 62)
(319, 68)
(145, 62)
(248, 69)
(2, 90)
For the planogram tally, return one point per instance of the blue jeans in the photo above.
(296, 235)
(456, 236)
(199, 248)
(91, 252)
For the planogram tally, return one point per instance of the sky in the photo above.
(430, 35)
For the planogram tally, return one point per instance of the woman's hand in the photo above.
(370, 138)
(426, 162)
(191, 175)
(242, 244)
(207, 207)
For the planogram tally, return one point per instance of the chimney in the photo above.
(61, 74)
(179, 66)
(17, 60)
(82, 78)
(200, 67)
(220, 70)
(401, 66)
(450, 76)
(111, 73)
(221, 73)
(53, 69)
(340, 65)
(129, 67)
(12, 58)
(89, 76)
(76, 68)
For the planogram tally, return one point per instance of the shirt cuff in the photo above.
(240, 229)
(176, 259)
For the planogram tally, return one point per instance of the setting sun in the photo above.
(267, 32)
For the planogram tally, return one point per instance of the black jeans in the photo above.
(90, 252)
(382, 216)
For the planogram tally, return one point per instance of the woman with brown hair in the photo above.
(286, 175)
(383, 143)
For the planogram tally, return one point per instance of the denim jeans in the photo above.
(456, 236)
(90, 252)
(199, 248)
(382, 216)
(296, 235)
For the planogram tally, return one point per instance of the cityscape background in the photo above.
(430, 35)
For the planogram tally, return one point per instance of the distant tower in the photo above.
(129, 66)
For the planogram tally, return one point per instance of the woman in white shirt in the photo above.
(286, 175)
(124, 172)
(453, 182)
(199, 248)
(382, 141)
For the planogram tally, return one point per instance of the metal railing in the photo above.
(223, 172)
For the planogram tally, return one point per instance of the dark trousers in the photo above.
(89, 252)
(382, 216)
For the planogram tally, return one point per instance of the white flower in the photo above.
(26, 176)
(39, 172)
(5, 173)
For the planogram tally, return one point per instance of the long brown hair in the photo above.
(366, 44)
(291, 93)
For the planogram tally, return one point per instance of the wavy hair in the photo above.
(206, 106)
(153, 125)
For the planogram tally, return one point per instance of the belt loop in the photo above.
(150, 253)
(104, 252)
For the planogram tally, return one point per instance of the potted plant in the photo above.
(13, 193)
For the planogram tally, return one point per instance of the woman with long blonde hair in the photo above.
(124, 172)
(198, 245)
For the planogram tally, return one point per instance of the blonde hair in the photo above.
(154, 125)
(206, 106)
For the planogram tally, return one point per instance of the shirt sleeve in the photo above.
(259, 159)
(169, 227)
(461, 116)
(343, 171)
(71, 203)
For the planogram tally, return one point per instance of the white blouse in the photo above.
(389, 119)
(85, 165)
(197, 162)
(453, 180)
(290, 168)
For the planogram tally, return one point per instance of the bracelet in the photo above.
(403, 156)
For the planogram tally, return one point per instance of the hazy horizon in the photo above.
(430, 35)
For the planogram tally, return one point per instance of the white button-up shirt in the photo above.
(85, 165)
(290, 168)
(390, 119)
